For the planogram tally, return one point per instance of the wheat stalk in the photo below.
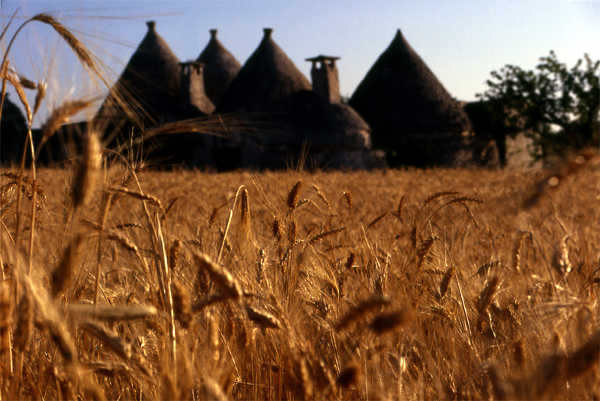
(109, 338)
(61, 115)
(292, 231)
(360, 310)
(423, 250)
(240, 190)
(487, 294)
(16, 83)
(222, 277)
(83, 54)
(294, 195)
(377, 220)
(167, 291)
(487, 267)
(348, 198)
(182, 306)
(446, 281)
(320, 194)
(437, 195)
(517, 249)
(63, 273)
(398, 212)
(389, 321)
(107, 199)
(137, 195)
(63, 340)
(263, 318)
(175, 255)
(87, 175)
(40, 94)
(325, 234)
(245, 217)
(277, 230)
(111, 312)
(561, 260)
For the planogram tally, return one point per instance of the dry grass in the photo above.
(348, 308)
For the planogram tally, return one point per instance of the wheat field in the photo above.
(415, 284)
(124, 283)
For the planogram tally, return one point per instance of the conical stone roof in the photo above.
(403, 101)
(220, 68)
(265, 82)
(150, 83)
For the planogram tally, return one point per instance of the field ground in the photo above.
(405, 285)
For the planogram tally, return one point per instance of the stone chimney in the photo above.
(192, 85)
(151, 25)
(325, 78)
(267, 32)
(213, 33)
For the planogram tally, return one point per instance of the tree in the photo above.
(557, 107)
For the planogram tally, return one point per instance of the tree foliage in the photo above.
(558, 107)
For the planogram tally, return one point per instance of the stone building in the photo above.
(291, 122)
(156, 88)
(220, 68)
(412, 116)
(333, 132)
(262, 94)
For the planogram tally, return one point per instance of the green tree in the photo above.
(556, 106)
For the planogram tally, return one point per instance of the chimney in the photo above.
(268, 32)
(325, 78)
(213, 33)
(192, 82)
(151, 25)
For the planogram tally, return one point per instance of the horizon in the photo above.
(500, 33)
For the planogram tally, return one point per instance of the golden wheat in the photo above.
(63, 273)
(262, 318)
(60, 115)
(222, 277)
(111, 312)
(87, 175)
(360, 310)
(294, 195)
(446, 281)
(305, 323)
(108, 338)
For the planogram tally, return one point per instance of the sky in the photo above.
(461, 41)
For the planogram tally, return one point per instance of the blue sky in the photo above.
(460, 40)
